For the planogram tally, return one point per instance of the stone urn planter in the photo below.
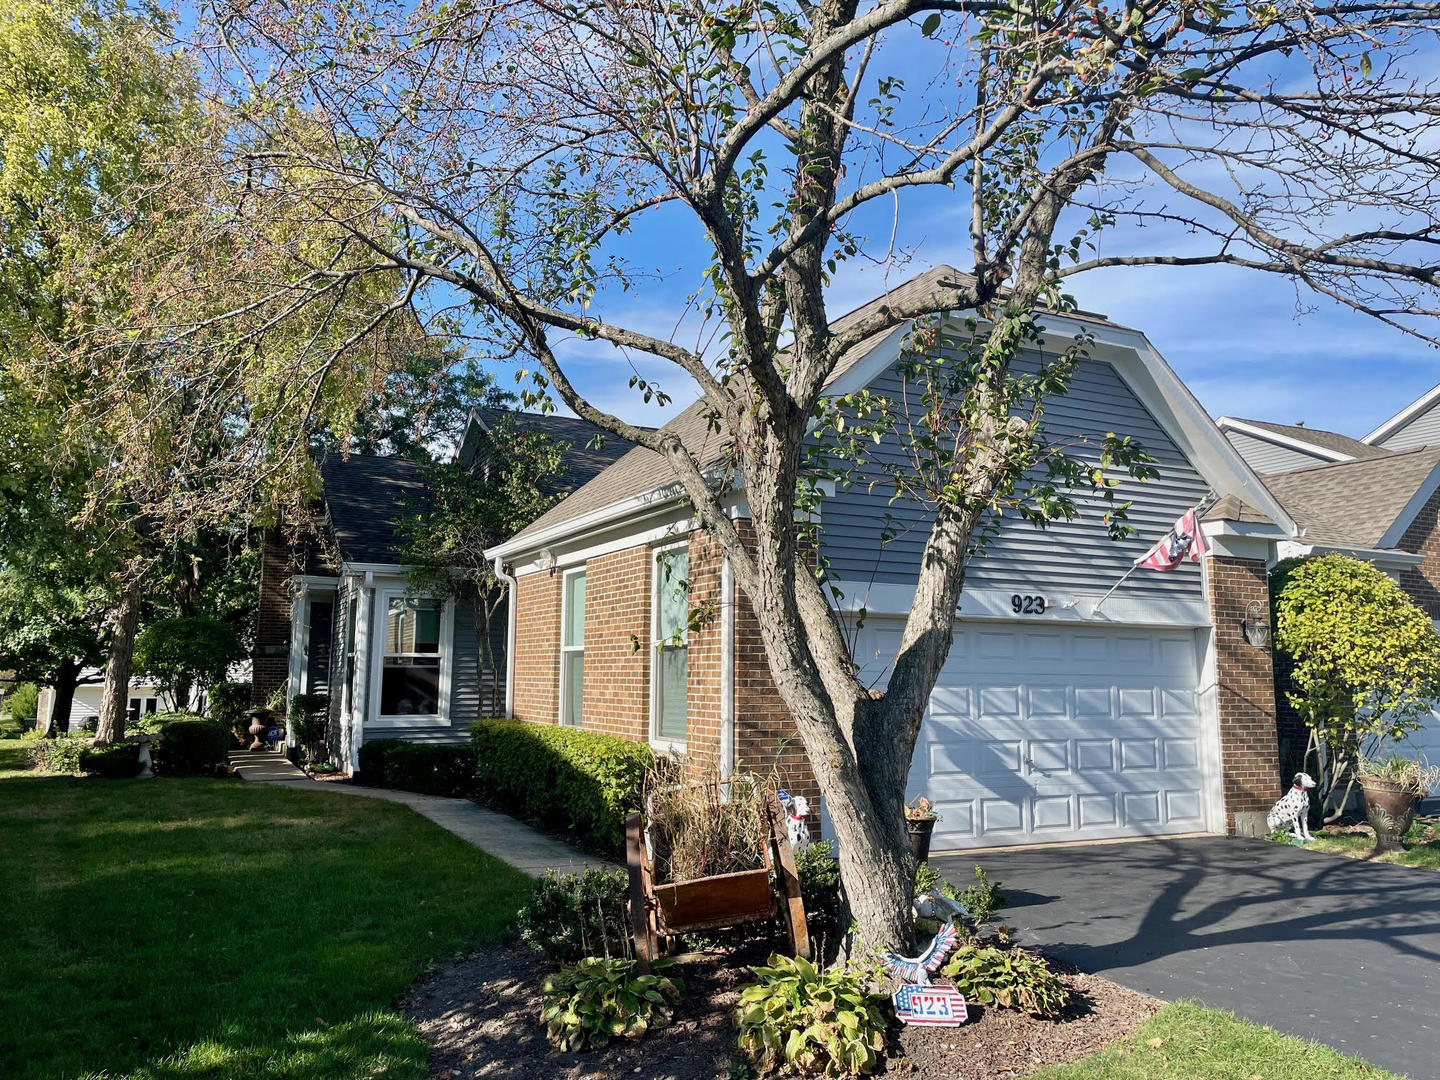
(260, 721)
(1390, 809)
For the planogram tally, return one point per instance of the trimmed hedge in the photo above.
(409, 766)
(567, 779)
(190, 746)
(118, 762)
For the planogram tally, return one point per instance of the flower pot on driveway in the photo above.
(1390, 808)
(920, 830)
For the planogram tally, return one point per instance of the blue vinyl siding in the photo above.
(472, 689)
(1266, 457)
(1072, 556)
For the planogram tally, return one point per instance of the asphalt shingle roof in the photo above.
(581, 461)
(1328, 440)
(366, 498)
(1353, 503)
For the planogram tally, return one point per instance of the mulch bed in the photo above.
(480, 1016)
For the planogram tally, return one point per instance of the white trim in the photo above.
(660, 742)
(1229, 423)
(727, 669)
(612, 512)
(1061, 607)
(1403, 418)
(382, 597)
(1207, 705)
(1387, 559)
(1407, 516)
(566, 578)
(364, 633)
(611, 542)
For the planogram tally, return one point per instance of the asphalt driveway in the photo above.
(1332, 949)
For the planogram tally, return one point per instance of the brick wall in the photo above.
(1423, 538)
(615, 697)
(537, 646)
(1245, 685)
(271, 663)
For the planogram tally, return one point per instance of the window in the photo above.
(139, 706)
(410, 669)
(670, 663)
(572, 647)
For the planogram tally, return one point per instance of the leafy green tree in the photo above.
(22, 701)
(186, 652)
(446, 541)
(1364, 662)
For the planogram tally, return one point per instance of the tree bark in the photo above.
(67, 676)
(124, 621)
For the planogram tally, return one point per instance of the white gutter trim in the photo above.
(375, 568)
(1403, 417)
(727, 669)
(1396, 532)
(604, 515)
(510, 610)
(1229, 423)
(1382, 556)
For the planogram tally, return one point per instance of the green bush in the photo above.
(309, 719)
(23, 702)
(408, 766)
(1013, 978)
(189, 745)
(810, 1020)
(60, 754)
(981, 900)
(565, 778)
(820, 892)
(229, 703)
(572, 916)
(118, 762)
(598, 1000)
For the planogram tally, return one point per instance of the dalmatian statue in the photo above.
(1293, 810)
(797, 808)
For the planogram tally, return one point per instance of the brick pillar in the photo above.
(1245, 691)
(271, 663)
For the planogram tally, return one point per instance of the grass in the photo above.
(1419, 851)
(1187, 1042)
(174, 929)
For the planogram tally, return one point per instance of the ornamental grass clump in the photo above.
(815, 1022)
(601, 999)
(701, 826)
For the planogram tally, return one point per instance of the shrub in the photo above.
(820, 891)
(812, 1021)
(189, 745)
(981, 901)
(229, 704)
(1013, 978)
(408, 766)
(23, 702)
(571, 916)
(598, 1000)
(309, 719)
(60, 754)
(118, 762)
(564, 778)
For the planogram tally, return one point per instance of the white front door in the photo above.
(1046, 733)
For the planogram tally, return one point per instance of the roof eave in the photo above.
(1229, 423)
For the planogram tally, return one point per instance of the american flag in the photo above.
(1184, 538)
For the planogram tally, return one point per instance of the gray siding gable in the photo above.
(1266, 457)
(1070, 557)
(1423, 430)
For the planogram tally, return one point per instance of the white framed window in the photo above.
(412, 664)
(670, 647)
(144, 706)
(572, 647)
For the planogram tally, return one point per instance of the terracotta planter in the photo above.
(1390, 810)
(920, 830)
(260, 721)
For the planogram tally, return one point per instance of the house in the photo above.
(145, 699)
(341, 618)
(1277, 448)
(1057, 717)
(1380, 503)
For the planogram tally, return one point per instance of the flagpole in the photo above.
(1199, 508)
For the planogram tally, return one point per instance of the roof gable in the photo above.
(1359, 504)
(1418, 424)
(1316, 443)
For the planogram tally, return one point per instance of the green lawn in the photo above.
(1187, 1042)
(1419, 851)
(172, 929)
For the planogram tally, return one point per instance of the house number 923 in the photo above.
(1027, 605)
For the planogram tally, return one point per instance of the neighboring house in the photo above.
(1274, 448)
(1052, 720)
(145, 699)
(345, 622)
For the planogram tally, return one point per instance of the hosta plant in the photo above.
(815, 1022)
(601, 999)
(1013, 978)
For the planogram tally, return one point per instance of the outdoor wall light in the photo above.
(1256, 624)
(546, 559)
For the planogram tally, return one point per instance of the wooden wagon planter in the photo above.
(663, 910)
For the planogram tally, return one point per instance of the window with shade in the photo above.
(670, 662)
(572, 648)
(410, 668)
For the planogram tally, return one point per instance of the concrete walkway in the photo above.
(1337, 950)
(526, 848)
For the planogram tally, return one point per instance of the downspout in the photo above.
(727, 670)
(510, 605)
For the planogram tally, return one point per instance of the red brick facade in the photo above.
(1423, 538)
(271, 663)
(1245, 686)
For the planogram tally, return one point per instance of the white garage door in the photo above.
(1045, 733)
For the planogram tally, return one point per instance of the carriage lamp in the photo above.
(1256, 624)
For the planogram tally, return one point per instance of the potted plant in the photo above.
(920, 818)
(1393, 787)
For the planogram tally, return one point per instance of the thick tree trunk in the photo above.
(67, 676)
(124, 621)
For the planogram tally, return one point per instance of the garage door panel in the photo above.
(999, 702)
(1097, 811)
(1052, 812)
(999, 815)
(1184, 808)
(1049, 756)
(1095, 755)
(1136, 703)
(1139, 755)
(1180, 753)
(1141, 808)
(996, 758)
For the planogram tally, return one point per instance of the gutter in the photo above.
(510, 604)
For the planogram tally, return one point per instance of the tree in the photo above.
(509, 155)
(1365, 663)
(446, 541)
(185, 652)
